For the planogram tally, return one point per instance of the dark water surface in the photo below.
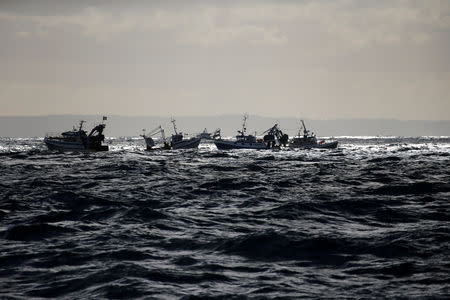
(370, 219)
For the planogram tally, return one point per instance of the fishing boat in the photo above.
(78, 139)
(204, 135)
(308, 140)
(150, 143)
(243, 141)
(275, 138)
(177, 140)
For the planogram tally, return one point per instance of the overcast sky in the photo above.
(314, 59)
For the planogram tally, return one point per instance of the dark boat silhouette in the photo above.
(243, 141)
(308, 140)
(177, 140)
(78, 139)
(150, 142)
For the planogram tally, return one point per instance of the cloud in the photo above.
(188, 27)
(23, 34)
(351, 24)
(359, 23)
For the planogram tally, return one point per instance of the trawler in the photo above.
(205, 135)
(243, 141)
(78, 139)
(308, 140)
(275, 138)
(178, 142)
(150, 143)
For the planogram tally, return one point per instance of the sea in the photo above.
(367, 220)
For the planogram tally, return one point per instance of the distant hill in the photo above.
(38, 126)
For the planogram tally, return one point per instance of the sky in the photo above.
(310, 59)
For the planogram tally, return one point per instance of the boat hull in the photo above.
(149, 142)
(228, 145)
(186, 144)
(61, 145)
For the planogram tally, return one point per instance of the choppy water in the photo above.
(370, 219)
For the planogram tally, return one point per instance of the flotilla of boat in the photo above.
(274, 138)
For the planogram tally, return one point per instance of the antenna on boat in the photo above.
(305, 131)
(244, 122)
(81, 124)
(174, 126)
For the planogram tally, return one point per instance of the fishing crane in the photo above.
(275, 135)
(148, 137)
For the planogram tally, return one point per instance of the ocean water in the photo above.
(369, 219)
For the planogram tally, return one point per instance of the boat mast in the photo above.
(81, 124)
(174, 126)
(163, 135)
(305, 132)
(244, 129)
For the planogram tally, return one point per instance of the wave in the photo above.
(39, 231)
(130, 223)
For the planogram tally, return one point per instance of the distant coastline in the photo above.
(38, 126)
